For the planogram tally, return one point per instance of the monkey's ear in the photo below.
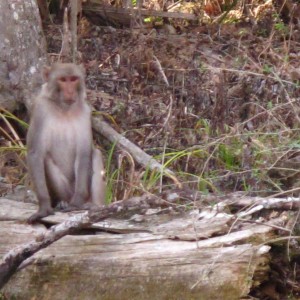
(46, 72)
(82, 68)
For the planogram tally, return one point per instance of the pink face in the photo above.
(68, 86)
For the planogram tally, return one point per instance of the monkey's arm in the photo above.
(36, 164)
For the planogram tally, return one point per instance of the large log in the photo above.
(164, 257)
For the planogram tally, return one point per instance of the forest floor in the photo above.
(217, 104)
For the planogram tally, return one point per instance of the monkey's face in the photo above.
(65, 83)
(69, 88)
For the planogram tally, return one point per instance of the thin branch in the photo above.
(74, 12)
(137, 153)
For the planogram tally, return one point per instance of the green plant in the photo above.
(267, 69)
(279, 25)
(230, 155)
(12, 151)
(150, 178)
(111, 175)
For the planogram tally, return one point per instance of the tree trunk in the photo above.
(22, 52)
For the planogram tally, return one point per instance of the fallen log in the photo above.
(189, 254)
(123, 16)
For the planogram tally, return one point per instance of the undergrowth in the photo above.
(263, 161)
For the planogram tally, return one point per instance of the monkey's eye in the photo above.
(73, 78)
(62, 79)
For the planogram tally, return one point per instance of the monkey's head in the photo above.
(65, 82)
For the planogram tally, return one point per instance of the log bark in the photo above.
(137, 266)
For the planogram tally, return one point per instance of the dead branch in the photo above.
(74, 11)
(66, 38)
(118, 13)
(260, 203)
(138, 154)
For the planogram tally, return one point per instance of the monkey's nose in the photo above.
(69, 98)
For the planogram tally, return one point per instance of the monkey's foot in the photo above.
(39, 215)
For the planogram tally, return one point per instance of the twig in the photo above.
(130, 173)
(17, 139)
(249, 73)
(161, 71)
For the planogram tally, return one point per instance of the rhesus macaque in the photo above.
(63, 164)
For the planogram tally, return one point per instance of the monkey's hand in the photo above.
(78, 200)
(39, 215)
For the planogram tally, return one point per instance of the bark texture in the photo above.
(22, 52)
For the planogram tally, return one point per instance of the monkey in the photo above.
(63, 164)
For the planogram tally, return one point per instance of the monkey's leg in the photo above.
(97, 184)
(60, 187)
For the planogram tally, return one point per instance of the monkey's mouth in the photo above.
(70, 100)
